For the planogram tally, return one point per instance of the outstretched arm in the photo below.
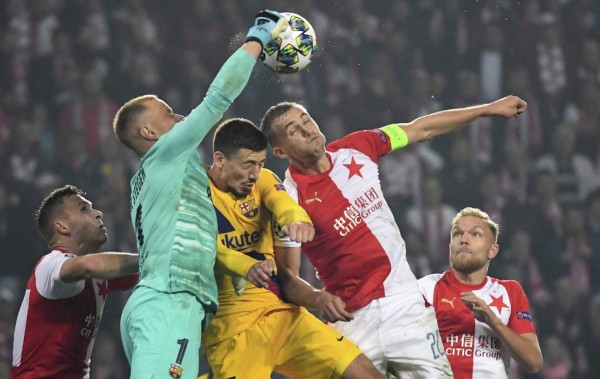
(227, 85)
(524, 348)
(436, 124)
(298, 291)
(100, 265)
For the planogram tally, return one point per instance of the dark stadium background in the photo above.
(66, 65)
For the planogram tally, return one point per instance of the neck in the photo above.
(312, 166)
(472, 278)
(214, 173)
(78, 248)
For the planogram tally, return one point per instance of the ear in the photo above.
(61, 227)
(148, 133)
(493, 251)
(279, 153)
(218, 159)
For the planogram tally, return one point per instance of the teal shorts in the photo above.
(161, 334)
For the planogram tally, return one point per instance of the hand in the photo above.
(332, 307)
(299, 232)
(481, 311)
(267, 25)
(261, 272)
(509, 106)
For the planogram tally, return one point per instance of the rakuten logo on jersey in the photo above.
(241, 241)
(364, 206)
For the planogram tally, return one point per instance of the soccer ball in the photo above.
(293, 49)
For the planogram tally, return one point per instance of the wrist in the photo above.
(495, 323)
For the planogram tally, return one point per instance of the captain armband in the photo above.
(397, 136)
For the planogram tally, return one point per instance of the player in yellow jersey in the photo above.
(256, 333)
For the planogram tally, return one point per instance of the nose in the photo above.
(99, 214)
(254, 172)
(306, 131)
(178, 117)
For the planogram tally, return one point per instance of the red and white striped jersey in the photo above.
(358, 251)
(472, 348)
(57, 322)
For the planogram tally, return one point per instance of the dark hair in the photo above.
(51, 207)
(238, 133)
(272, 114)
(126, 117)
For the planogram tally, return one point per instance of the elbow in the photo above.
(535, 366)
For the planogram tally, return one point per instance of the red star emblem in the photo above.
(354, 168)
(498, 303)
(103, 289)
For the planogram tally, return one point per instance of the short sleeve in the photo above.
(521, 319)
(47, 277)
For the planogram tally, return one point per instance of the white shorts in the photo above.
(400, 336)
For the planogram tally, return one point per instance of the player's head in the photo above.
(239, 154)
(141, 121)
(473, 240)
(292, 133)
(65, 214)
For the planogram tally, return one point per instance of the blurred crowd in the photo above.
(66, 66)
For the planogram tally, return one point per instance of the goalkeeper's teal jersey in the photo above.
(171, 209)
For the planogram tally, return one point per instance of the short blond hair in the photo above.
(476, 212)
(126, 118)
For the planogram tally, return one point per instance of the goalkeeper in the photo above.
(174, 219)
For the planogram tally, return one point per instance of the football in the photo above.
(293, 49)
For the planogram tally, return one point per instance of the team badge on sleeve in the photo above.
(279, 187)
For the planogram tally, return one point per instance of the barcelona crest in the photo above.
(249, 208)
(175, 371)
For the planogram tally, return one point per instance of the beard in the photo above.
(467, 264)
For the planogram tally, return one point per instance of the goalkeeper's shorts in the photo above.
(161, 334)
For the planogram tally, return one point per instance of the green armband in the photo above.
(397, 136)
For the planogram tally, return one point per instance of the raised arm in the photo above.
(100, 265)
(436, 124)
(228, 84)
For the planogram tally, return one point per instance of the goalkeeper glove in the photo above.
(267, 25)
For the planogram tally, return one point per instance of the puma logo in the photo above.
(451, 302)
(315, 198)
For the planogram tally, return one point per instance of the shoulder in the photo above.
(47, 277)
(268, 175)
(52, 261)
(513, 288)
(509, 284)
(359, 139)
(428, 283)
(431, 278)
